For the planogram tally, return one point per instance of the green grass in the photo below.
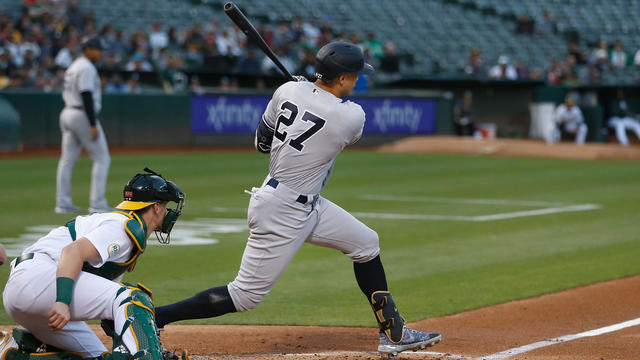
(433, 267)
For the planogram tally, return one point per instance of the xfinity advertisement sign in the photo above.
(241, 114)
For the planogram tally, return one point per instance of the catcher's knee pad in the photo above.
(389, 320)
(140, 319)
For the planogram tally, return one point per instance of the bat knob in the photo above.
(228, 6)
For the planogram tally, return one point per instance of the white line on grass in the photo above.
(480, 218)
(461, 200)
(526, 348)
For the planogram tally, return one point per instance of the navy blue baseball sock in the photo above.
(370, 276)
(205, 304)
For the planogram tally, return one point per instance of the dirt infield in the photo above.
(513, 147)
(473, 334)
(477, 334)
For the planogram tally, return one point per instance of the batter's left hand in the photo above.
(59, 316)
(299, 78)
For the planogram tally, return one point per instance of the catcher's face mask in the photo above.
(171, 216)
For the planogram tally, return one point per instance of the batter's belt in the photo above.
(302, 199)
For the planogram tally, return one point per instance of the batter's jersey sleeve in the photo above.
(271, 111)
(86, 79)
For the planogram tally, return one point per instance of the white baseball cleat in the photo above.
(71, 209)
(7, 343)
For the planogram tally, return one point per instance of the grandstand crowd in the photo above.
(38, 45)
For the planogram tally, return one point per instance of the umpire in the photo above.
(81, 129)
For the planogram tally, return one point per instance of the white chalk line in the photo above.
(480, 218)
(345, 353)
(445, 200)
(526, 348)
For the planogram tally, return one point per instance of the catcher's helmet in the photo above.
(340, 57)
(146, 189)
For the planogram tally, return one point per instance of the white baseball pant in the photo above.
(30, 293)
(279, 225)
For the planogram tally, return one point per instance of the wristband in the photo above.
(64, 290)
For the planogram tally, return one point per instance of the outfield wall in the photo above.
(224, 119)
(229, 118)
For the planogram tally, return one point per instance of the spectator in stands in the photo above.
(73, 14)
(390, 62)
(173, 40)
(374, 45)
(115, 85)
(636, 59)
(109, 62)
(622, 120)
(307, 65)
(195, 87)
(158, 39)
(138, 63)
(568, 120)
(268, 66)
(173, 78)
(311, 32)
(475, 67)
(600, 56)
(249, 64)
(133, 84)
(463, 116)
(503, 70)
(546, 25)
(618, 56)
(574, 49)
(64, 56)
(522, 70)
(226, 45)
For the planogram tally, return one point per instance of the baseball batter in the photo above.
(304, 127)
(73, 274)
(81, 129)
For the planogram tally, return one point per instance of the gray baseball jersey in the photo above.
(311, 126)
(81, 76)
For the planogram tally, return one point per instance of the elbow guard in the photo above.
(264, 137)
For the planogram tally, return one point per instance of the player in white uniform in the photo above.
(304, 127)
(568, 118)
(80, 129)
(73, 274)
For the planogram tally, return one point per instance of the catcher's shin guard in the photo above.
(139, 312)
(389, 320)
(22, 345)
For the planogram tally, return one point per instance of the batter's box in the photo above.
(545, 208)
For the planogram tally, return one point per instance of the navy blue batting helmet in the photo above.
(340, 57)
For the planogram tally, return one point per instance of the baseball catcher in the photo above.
(73, 274)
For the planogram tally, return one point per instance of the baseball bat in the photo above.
(247, 28)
